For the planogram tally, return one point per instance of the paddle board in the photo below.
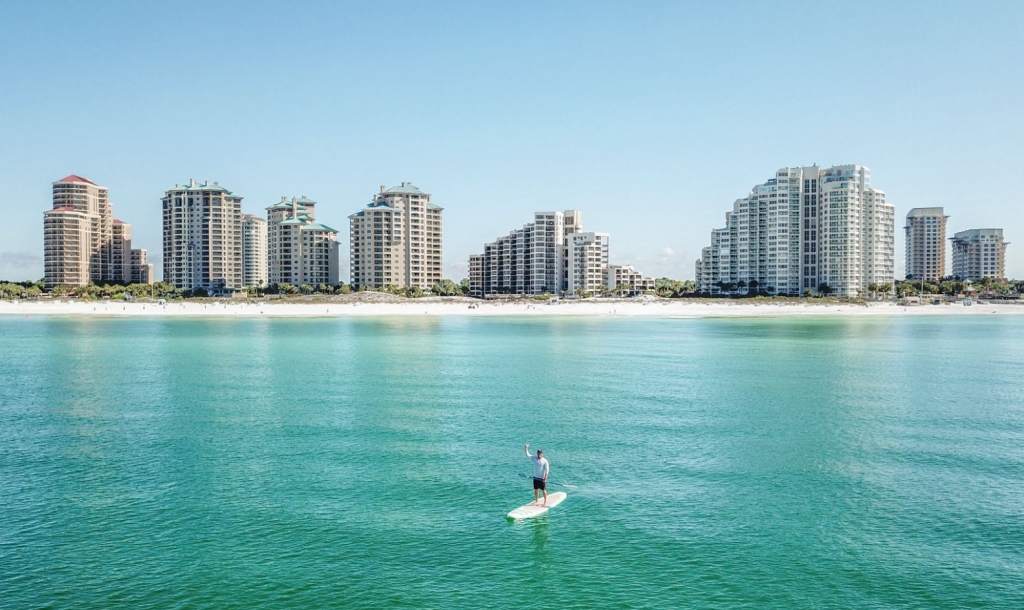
(538, 508)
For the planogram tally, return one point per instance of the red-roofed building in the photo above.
(82, 242)
(76, 178)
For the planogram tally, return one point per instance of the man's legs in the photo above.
(545, 490)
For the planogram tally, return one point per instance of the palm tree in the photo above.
(824, 289)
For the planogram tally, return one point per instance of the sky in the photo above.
(650, 117)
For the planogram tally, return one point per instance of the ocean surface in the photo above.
(339, 463)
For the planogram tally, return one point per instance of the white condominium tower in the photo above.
(926, 244)
(803, 229)
(254, 251)
(530, 260)
(979, 253)
(202, 237)
(396, 240)
(82, 241)
(299, 249)
(587, 262)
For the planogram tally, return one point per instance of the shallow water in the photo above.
(370, 463)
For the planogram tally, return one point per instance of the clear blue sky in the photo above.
(651, 117)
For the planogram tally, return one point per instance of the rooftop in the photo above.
(318, 227)
(919, 212)
(205, 186)
(76, 178)
(406, 188)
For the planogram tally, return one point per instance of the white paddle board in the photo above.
(538, 508)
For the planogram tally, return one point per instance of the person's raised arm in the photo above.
(526, 448)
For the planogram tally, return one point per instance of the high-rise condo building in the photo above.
(82, 241)
(121, 252)
(66, 247)
(530, 260)
(476, 275)
(202, 237)
(396, 240)
(550, 255)
(254, 251)
(979, 253)
(300, 250)
(926, 244)
(587, 262)
(805, 229)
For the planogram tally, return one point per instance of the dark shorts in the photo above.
(540, 484)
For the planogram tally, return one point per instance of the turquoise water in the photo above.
(868, 463)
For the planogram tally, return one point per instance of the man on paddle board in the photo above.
(540, 474)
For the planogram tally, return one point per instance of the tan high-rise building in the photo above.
(254, 251)
(299, 249)
(142, 269)
(926, 244)
(66, 243)
(396, 240)
(202, 237)
(979, 253)
(82, 242)
(121, 252)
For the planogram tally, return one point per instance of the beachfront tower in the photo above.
(82, 242)
(926, 244)
(587, 262)
(299, 249)
(529, 260)
(396, 240)
(202, 237)
(254, 251)
(804, 229)
(979, 253)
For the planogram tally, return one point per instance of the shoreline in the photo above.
(662, 308)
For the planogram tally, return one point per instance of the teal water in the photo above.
(868, 463)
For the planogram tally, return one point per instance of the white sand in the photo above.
(662, 308)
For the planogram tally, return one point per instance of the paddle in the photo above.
(526, 476)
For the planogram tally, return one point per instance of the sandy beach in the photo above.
(458, 306)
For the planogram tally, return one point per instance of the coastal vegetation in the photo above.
(664, 288)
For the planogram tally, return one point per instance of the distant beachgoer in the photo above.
(540, 474)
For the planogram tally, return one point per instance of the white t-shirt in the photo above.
(540, 467)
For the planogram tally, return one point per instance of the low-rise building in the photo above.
(624, 280)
